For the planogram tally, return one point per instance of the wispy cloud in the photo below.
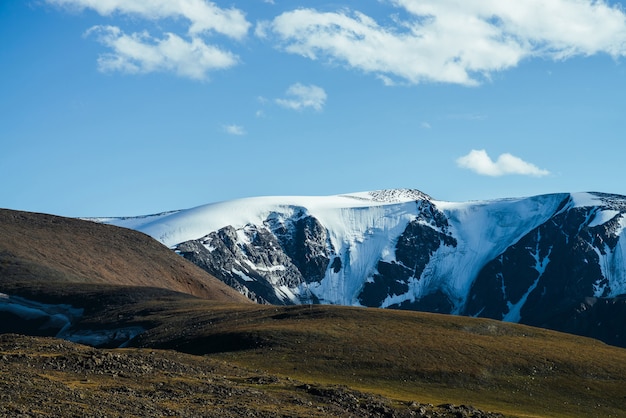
(480, 162)
(452, 41)
(300, 97)
(140, 53)
(186, 54)
(203, 16)
(234, 130)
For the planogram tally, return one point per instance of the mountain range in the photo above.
(556, 261)
(151, 334)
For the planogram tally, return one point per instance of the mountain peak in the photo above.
(390, 195)
(517, 259)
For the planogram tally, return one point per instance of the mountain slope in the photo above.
(37, 247)
(553, 260)
(45, 377)
(346, 358)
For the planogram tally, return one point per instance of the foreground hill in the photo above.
(411, 356)
(42, 377)
(556, 261)
(203, 358)
(44, 248)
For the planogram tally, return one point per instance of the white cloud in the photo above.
(184, 54)
(234, 130)
(203, 15)
(453, 41)
(301, 96)
(480, 162)
(140, 53)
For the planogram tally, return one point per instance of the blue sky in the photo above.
(128, 107)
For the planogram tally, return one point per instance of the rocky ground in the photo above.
(47, 377)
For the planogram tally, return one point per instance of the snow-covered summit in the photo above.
(400, 248)
(363, 229)
(390, 195)
(172, 228)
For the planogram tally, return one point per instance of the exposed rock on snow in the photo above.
(525, 260)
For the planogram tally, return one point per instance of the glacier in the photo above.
(554, 260)
(363, 228)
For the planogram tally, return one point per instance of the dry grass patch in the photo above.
(514, 369)
(408, 358)
(81, 381)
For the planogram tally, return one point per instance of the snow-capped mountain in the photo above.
(555, 260)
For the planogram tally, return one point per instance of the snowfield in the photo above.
(363, 229)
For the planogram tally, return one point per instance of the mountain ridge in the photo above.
(260, 360)
(529, 259)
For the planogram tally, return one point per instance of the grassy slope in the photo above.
(495, 366)
(406, 356)
(38, 247)
(41, 377)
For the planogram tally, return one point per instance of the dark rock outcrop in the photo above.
(267, 263)
(553, 278)
(538, 261)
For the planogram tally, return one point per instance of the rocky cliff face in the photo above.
(269, 263)
(566, 274)
(422, 237)
(555, 261)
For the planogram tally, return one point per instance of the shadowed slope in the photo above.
(403, 356)
(45, 377)
(510, 368)
(38, 247)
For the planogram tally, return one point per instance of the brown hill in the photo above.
(37, 247)
(44, 377)
(407, 356)
(303, 361)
